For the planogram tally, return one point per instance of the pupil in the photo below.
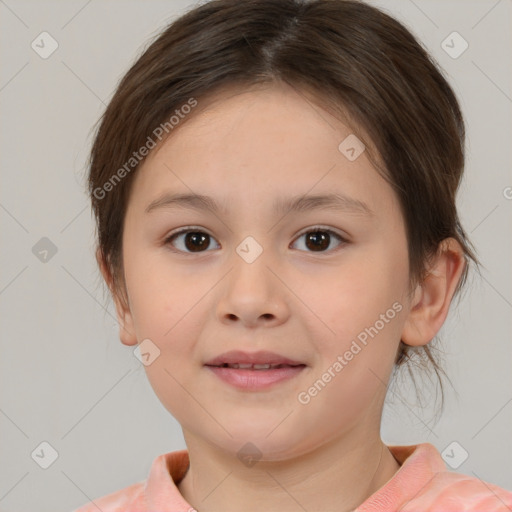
(320, 240)
(195, 241)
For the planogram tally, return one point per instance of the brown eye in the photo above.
(196, 241)
(191, 241)
(319, 240)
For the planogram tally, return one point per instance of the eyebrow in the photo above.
(333, 202)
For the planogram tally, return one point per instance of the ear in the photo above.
(124, 316)
(433, 296)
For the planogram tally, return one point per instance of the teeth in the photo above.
(248, 366)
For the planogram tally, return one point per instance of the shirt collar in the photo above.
(161, 491)
(418, 466)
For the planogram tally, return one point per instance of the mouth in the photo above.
(251, 377)
(255, 367)
(254, 371)
(262, 360)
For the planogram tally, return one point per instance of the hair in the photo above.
(351, 58)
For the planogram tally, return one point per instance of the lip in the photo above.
(255, 380)
(261, 357)
(249, 379)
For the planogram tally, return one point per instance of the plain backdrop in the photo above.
(66, 379)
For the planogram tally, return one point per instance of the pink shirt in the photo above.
(422, 484)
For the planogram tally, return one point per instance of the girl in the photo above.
(274, 184)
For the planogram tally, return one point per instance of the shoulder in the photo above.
(118, 501)
(149, 494)
(425, 484)
(447, 490)
(440, 489)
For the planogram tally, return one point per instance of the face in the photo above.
(323, 285)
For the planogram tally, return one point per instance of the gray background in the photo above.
(65, 378)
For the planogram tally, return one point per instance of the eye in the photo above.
(319, 238)
(194, 241)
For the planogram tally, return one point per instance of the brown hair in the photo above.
(354, 60)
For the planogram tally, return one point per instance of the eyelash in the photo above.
(193, 229)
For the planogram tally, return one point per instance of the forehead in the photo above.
(242, 145)
(267, 109)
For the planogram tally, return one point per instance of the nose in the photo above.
(253, 294)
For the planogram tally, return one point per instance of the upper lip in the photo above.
(261, 357)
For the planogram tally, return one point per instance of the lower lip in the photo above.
(254, 380)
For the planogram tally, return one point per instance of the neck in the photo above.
(336, 477)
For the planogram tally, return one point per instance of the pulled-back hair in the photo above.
(353, 59)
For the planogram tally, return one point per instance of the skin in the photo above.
(248, 148)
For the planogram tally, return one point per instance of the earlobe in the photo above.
(125, 320)
(124, 316)
(432, 297)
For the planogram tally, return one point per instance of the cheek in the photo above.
(361, 305)
(159, 294)
(362, 288)
(355, 361)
